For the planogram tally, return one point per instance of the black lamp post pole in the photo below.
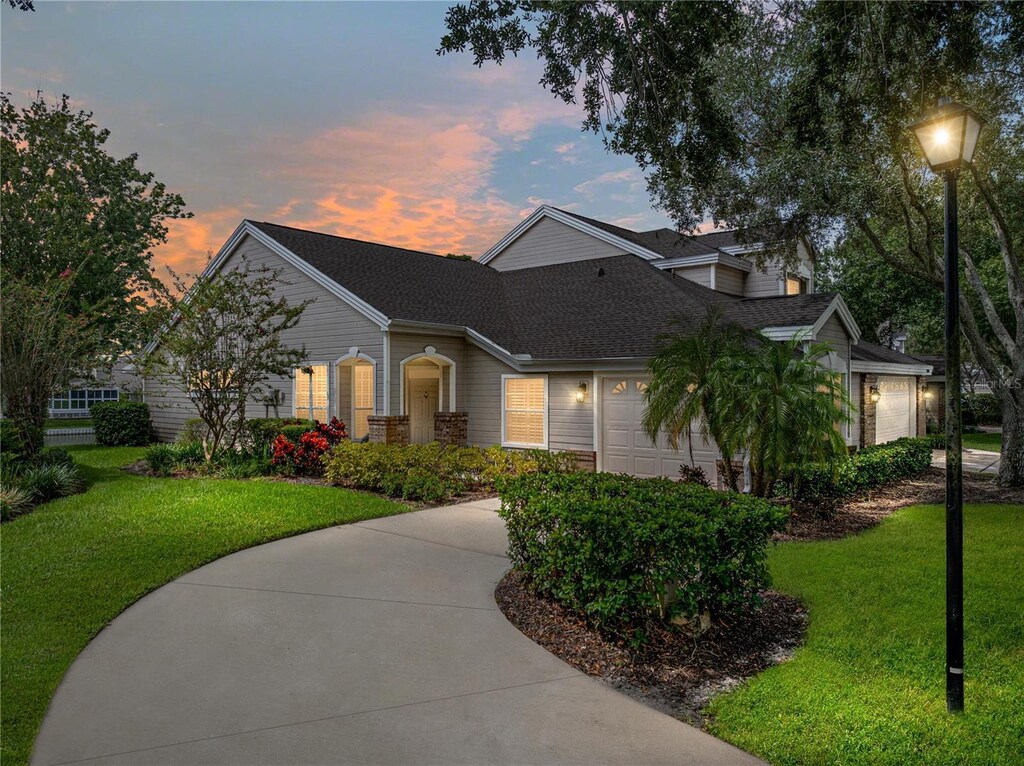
(954, 463)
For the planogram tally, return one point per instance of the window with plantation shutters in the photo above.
(362, 399)
(311, 392)
(524, 411)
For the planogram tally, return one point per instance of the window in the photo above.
(362, 399)
(796, 286)
(82, 398)
(619, 388)
(524, 411)
(311, 392)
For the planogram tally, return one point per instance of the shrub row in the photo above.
(188, 457)
(867, 469)
(121, 424)
(430, 472)
(981, 410)
(624, 551)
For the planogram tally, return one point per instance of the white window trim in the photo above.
(504, 422)
(350, 361)
(297, 371)
(430, 353)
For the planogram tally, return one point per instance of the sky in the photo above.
(337, 117)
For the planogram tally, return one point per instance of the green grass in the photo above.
(991, 442)
(72, 565)
(68, 423)
(868, 686)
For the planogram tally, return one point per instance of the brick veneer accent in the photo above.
(585, 460)
(937, 404)
(867, 410)
(389, 429)
(451, 428)
(922, 418)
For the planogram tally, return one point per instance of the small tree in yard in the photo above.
(223, 342)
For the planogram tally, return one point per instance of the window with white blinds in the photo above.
(362, 399)
(311, 392)
(524, 411)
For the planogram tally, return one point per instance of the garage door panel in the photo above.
(626, 447)
(893, 411)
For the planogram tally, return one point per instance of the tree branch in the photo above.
(987, 306)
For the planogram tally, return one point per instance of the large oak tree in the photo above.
(789, 120)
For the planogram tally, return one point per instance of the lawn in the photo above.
(72, 565)
(868, 686)
(991, 442)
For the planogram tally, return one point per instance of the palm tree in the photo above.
(692, 383)
(775, 401)
(791, 408)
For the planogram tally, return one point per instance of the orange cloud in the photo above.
(191, 240)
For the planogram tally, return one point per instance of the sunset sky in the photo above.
(337, 117)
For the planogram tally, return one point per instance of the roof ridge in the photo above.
(361, 241)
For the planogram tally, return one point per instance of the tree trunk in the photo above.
(1011, 465)
(29, 415)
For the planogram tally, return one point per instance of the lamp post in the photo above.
(948, 135)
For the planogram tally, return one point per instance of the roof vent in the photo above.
(600, 272)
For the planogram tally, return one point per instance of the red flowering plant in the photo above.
(304, 458)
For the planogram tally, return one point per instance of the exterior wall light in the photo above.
(581, 392)
(928, 394)
(874, 394)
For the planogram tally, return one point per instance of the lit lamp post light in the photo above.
(948, 135)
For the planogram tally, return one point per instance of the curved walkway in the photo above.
(377, 642)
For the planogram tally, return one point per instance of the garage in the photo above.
(895, 413)
(625, 448)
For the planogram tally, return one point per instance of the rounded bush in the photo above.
(51, 481)
(161, 459)
(14, 501)
(121, 424)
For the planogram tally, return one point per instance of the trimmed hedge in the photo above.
(867, 469)
(260, 432)
(624, 551)
(430, 472)
(121, 424)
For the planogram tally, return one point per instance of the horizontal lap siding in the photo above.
(835, 334)
(328, 328)
(404, 345)
(570, 423)
(699, 274)
(763, 284)
(481, 387)
(729, 280)
(549, 241)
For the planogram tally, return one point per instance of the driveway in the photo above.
(977, 460)
(378, 642)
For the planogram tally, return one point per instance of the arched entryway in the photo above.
(428, 387)
(356, 374)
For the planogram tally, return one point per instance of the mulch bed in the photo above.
(675, 673)
(861, 513)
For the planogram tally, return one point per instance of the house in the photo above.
(542, 342)
(120, 381)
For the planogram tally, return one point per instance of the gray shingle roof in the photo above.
(668, 243)
(872, 352)
(614, 307)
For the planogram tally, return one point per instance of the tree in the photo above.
(789, 121)
(42, 340)
(775, 402)
(692, 383)
(77, 227)
(221, 344)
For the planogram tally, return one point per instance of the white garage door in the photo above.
(894, 412)
(625, 448)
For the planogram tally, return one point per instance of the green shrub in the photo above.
(14, 501)
(430, 472)
(53, 456)
(624, 551)
(12, 447)
(260, 432)
(867, 469)
(193, 431)
(161, 459)
(189, 455)
(46, 482)
(121, 424)
(981, 410)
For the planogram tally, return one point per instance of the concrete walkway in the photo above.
(977, 460)
(378, 642)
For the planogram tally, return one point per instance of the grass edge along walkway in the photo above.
(868, 686)
(71, 566)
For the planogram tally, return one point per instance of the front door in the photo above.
(423, 399)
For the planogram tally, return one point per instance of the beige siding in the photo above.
(328, 329)
(549, 241)
(835, 334)
(699, 274)
(570, 423)
(856, 384)
(763, 284)
(729, 280)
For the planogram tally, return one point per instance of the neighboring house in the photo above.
(973, 380)
(101, 386)
(543, 342)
